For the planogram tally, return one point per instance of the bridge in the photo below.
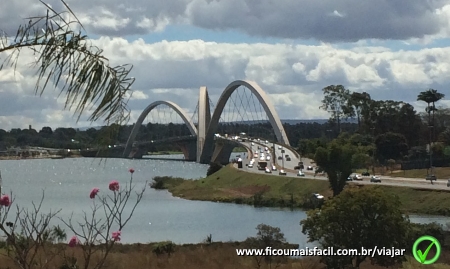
(201, 145)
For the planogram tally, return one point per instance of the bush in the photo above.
(213, 167)
(167, 247)
(158, 183)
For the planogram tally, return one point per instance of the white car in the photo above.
(274, 168)
(300, 174)
(262, 159)
(253, 144)
(255, 155)
(267, 142)
(250, 165)
(318, 196)
(279, 147)
(268, 170)
(282, 172)
(268, 158)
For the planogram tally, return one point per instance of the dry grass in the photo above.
(207, 256)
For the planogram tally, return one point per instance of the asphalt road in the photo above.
(386, 180)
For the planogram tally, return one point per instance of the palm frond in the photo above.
(65, 58)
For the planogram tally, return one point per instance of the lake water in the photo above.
(160, 216)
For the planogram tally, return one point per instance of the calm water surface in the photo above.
(159, 216)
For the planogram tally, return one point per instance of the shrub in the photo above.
(166, 247)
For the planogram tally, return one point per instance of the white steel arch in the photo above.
(263, 100)
(144, 114)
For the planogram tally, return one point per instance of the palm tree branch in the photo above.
(65, 58)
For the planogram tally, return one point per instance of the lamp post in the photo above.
(282, 157)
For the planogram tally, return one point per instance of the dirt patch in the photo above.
(246, 191)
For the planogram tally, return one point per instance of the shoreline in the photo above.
(18, 158)
(230, 185)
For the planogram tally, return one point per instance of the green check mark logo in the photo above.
(422, 256)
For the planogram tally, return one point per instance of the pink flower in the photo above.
(93, 193)
(5, 201)
(73, 241)
(116, 235)
(114, 185)
(131, 170)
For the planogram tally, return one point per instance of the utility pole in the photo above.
(1, 182)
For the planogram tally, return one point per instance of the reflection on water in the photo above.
(67, 183)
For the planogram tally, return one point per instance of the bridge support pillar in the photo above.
(137, 153)
(204, 117)
(222, 153)
(189, 150)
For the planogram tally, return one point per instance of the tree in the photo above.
(444, 137)
(336, 161)
(391, 146)
(430, 96)
(358, 102)
(335, 101)
(64, 57)
(267, 237)
(355, 219)
(361, 160)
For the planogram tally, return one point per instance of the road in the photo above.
(291, 172)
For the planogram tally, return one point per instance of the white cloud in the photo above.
(293, 76)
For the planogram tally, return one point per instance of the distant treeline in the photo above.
(92, 137)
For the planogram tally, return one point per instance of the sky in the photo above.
(291, 48)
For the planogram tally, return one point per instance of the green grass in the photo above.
(236, 186)
(442, 173)
(239, 149)
(439, 172)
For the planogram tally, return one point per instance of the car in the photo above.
(349, 179)
(365, 174)
(297, 167)
(279, 147)
(288, 159)
(357, 177)
(286, 156)
(280, 158)
(300, 174)
(274, 168)
(431, 177)
(448, 183)
(250, 165)
(318, 196)
(268, 170)
(282, 172)
(266, 149)
(253, 144)
(262, 158)
(267, 142)
(255, 155)
(268, 158)
(309, 167)
(375, 179)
